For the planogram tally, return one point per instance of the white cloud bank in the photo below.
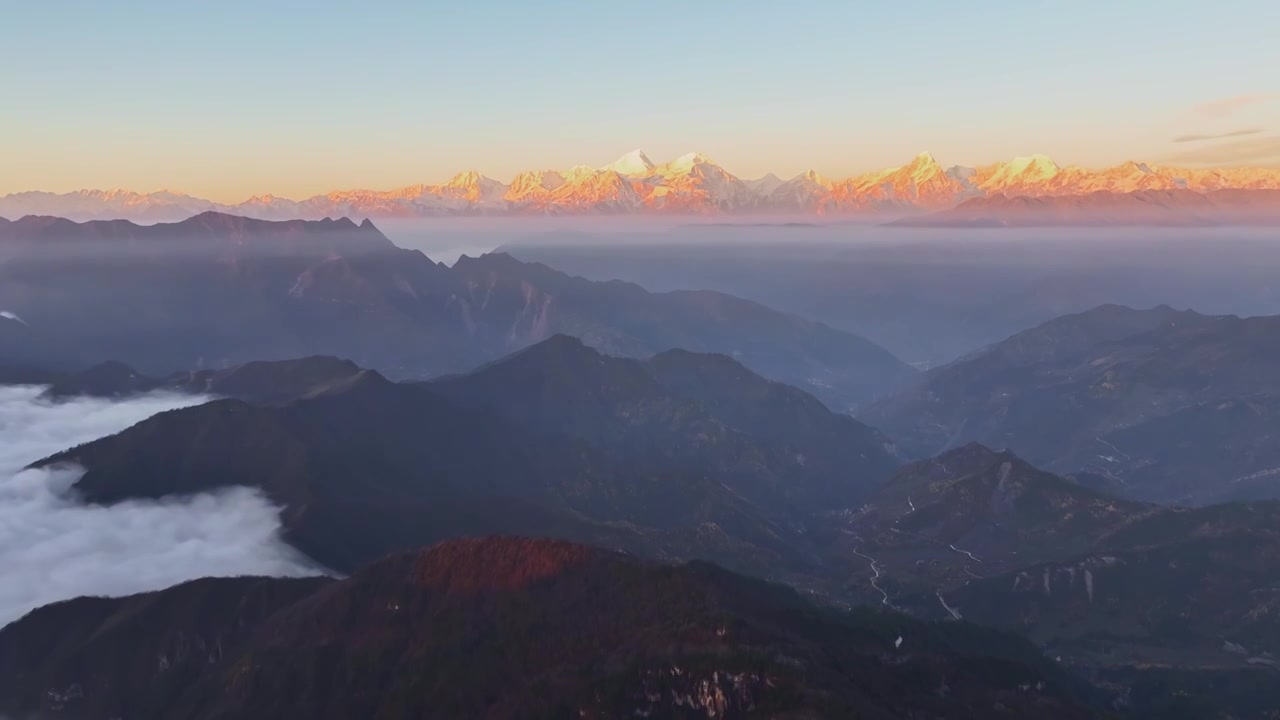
(53, 548)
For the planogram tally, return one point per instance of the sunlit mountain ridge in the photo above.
(692, 184)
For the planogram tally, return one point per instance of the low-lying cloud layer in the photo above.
(53, 548)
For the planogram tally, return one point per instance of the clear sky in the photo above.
(227, 99)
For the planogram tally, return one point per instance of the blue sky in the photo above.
(230, 99)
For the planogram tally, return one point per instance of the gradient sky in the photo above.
(229, 99)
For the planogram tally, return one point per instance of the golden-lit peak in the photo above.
(466, 178)
(634, 163)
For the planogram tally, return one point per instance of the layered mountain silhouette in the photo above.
(557, 440)
(512, 628)
(676, 457)
(1160, 405)
(690, 184)
(217, 290)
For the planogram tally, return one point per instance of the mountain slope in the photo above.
(511, 628)
(368, 467)
(1156, 404)
(971, 512)
(216, 291)
(769, 442)
(1122, 591)
(528, 302)
(1179, 588)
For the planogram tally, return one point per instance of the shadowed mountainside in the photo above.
(1160, 405)
(511, 628)
(1123, 591)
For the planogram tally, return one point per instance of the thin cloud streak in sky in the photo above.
(54, 548)
(1197, 137)
(1231, 105)
(1239, 152)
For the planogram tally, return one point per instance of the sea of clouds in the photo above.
(53, 547)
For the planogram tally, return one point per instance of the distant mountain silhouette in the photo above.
(520, 300)
(1160, 405)
(512, 628)
(218, 290)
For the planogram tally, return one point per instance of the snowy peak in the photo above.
(472, 179)
(466, 178)
(1136, 167)
(685, 164)
(765, 185)
(634, 163)
(533, 186)
(1026, 175)
(812, 177)
(545, 179)
(923, 161)
(1033, 165)
(691, 159)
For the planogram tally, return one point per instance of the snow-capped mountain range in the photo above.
(690, 184)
